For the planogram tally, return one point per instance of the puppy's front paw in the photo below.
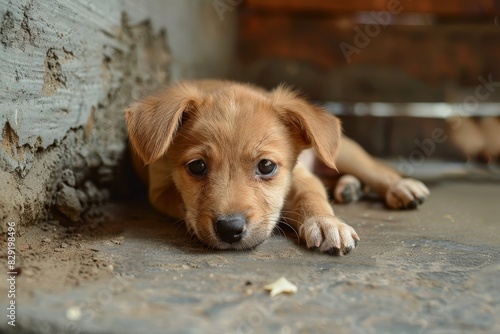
(328, 234)
(406, 194)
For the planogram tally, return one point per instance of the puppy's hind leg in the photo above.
(340, 188)
(348, 189)
(398, 192)
(343, 189)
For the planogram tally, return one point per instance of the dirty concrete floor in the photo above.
(432, 270)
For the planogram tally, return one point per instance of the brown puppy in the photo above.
(223, 156)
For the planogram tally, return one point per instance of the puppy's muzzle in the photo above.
(231, 228)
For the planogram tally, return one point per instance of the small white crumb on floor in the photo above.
(73, 313)
(282, 285)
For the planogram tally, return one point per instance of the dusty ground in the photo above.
(434, 270)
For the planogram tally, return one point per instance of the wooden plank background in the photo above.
(300, 42)
(439, 7)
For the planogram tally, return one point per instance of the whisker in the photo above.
(293, 229)
(280, 230)
(301, 215)
(284, 219)
(179, 223)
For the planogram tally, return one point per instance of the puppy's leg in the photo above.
(308, 211)
(342, 188)
(397, 191)
(348, 189)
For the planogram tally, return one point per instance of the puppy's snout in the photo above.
(231, 228)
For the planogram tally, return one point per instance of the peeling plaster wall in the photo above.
(67, 71)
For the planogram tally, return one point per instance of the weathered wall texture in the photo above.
(68, 69)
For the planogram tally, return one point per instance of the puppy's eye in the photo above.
(266, 167)
(197, 167)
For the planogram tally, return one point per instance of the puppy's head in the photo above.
(231, 149)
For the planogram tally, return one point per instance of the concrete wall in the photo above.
(68, 69)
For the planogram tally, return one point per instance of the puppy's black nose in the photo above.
(231, 228)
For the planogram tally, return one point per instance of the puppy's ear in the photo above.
(153, 122)
(316, 127)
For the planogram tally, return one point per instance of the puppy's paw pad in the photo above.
(328, 234)
(348, 189)
(406, 194)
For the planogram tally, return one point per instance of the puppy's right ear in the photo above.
(153, 122)
(318, 129)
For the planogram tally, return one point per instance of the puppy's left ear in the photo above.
(316, 127)
(153, 122)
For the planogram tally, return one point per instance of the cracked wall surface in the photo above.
(68, 69)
